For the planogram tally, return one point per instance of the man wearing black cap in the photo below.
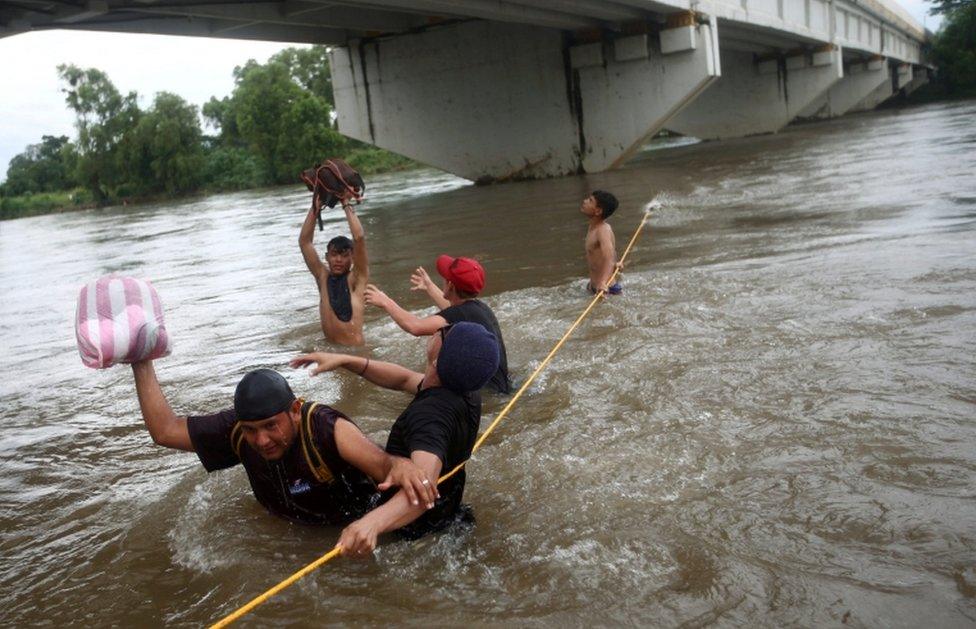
(437, 430)
(306, 462)
(464, 279)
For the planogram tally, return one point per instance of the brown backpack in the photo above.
(330, 180)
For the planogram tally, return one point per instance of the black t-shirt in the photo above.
(443, 423)
(288, 487)
(478, 312)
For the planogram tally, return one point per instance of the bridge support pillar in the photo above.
(860, 80)
(884, 91)
(624, 102)
(494, 101)
(759, 96)
(904, 73)
(920, 76)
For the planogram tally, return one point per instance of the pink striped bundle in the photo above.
(119, 320)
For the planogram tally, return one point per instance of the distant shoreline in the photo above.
(44, 203)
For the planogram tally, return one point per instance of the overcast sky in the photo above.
(32, 105)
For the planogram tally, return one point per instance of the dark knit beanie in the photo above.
(468, 357)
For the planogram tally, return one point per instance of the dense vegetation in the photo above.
(954, 47)
(277, 121)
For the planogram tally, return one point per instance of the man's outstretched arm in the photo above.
(407, 320)
(305, 237)
(386, 469)
(384, 374)
(165, 427)
(359, 538)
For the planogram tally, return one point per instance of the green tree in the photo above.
(232, 168)
(309, 136)
(309, 68)
(944, 7)
(164, 152)
(954, 49)
(287, 127)
(258, 105)
(44, 167)
(104, 117)
(219, 114)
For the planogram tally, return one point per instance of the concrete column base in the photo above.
(475, 99)
(625, 102)
(920, 77)
(754, 97)
(860, 80)
(904, 73)
(493, 101)
(880, 94)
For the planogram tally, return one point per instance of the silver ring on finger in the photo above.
(425, 482)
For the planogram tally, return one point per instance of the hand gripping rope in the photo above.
(335, 552)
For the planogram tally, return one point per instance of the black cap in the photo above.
(261, 394)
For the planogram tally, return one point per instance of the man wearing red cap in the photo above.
(464, 279)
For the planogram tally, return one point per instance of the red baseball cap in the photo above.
(465, 273)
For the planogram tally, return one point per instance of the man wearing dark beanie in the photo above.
(437, 429)
(305, 462)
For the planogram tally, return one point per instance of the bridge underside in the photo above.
(495, 90)
(491, 101)
(315, 21)
(496, 102)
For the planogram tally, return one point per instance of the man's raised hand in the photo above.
(375, 297)
(419, 280)
(323, 361)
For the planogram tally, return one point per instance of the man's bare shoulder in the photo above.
(597, 233)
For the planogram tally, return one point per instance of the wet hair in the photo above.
(605, 201)
(464, 294)
(339, 244)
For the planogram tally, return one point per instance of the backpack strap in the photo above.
(313, 458)
(237, 439)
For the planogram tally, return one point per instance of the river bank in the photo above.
(368, 161)
(44, 203)
(931, 92)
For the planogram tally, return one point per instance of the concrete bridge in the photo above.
(512, 89)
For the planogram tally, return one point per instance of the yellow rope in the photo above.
(545, 361)
(227, 620)
(264, 597)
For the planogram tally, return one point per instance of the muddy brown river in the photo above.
(775, 425)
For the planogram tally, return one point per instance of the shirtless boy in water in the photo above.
(601, 252)
(342, 279)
